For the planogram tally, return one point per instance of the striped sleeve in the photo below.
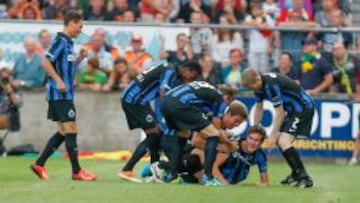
(274, 94)
(262, 161)
(55, 49)
(165, 80)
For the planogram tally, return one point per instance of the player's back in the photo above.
(146, 86)
(197, 93)
(281, 90)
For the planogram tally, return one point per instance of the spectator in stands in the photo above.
(209, 72)
(329, 38)
(29, 11)
(28, 71)
(286, 67)
(149, 8)
(119, 78)
(260, 40)
(44, 38)
(288, 5)
(201, 38)
(129, 16)
(92, 77)
(271, 8)
(291, 42)
(186, 10)
(231, 75)
(323, 17)
(181, 55)
(120, 7)
(137, 58)
(346, 69)
(223, 41)
(316, 72)
(15, 7)
(96, 11)
(57, 9)
(231, 10)
(98, 48)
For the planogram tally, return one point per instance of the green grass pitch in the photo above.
(333, 184)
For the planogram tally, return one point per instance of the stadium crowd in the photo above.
(310, 58)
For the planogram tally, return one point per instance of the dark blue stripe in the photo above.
(180, 90)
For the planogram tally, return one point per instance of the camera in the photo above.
(4, 80)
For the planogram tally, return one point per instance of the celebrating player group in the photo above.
(188, 136)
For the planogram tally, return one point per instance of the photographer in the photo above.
(10, 100)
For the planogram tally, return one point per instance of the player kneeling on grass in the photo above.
(145, 88)
(294, 114)
(184, 110)
(229, 168)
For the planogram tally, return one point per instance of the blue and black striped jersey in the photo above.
(282, 91)
(147, 86)
(62, 56)
(236, 168)
(199, 94)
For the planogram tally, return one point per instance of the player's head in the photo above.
(251, 79)
(228, 93)
(189, 71)
(73, 23)
(234, 115)
(256, 136)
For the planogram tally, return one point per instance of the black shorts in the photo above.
(179, 116)
(139, 116)
(298, 125)
(61, 111)
(191, 164)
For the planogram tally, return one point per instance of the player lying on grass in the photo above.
(184, 109)
(136, 100)
(229, 168)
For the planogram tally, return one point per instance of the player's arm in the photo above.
(199, 142)
(55, 50)
(83, 54)
(326, 83)
(279, 117)
(219, 161)
(262, 165)
(165, 82)
(258, 113)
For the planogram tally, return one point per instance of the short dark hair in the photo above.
(193, 66)
(258, 129)
(72, 15)
(287, 54)
(119, 61)
(94, 62)
(226, 90)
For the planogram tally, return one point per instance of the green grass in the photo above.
(333, 184)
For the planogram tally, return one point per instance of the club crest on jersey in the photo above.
(71, 57)
(149, 118)
(71, 113)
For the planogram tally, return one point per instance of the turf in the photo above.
(334, 183)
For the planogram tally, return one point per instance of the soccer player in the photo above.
(136, 104)
(60, 65)
(184, 109)
(294, 113)
(229, 168)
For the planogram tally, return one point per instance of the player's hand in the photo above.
(61, 86)
(234, 146)
(83, 54)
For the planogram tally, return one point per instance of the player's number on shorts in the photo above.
(294, 124)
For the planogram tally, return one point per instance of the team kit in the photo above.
(187, 136)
